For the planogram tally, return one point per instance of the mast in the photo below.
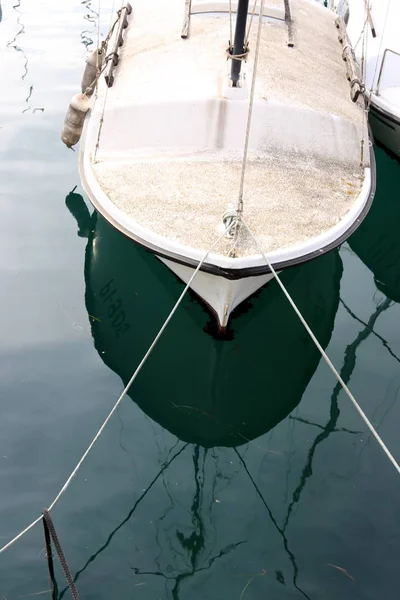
(238, 44)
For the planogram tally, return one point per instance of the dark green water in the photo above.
(236, 469)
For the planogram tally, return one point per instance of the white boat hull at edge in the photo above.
(382, 58)
(385, 127)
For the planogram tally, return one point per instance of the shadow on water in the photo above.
(376, 241)
(128, 296)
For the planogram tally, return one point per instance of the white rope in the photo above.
(324, 355)
(229, 50)
(124, 392)
(251, 102)
(260, 16)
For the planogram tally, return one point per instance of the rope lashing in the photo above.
(123, 394)
(323, 353)
(102, 49)
(243, 56)
(50, 534)
(229, 220)
(111, 30)
(229, 51)
(356, 80)
(112, 55)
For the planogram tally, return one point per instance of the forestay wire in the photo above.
(323, 353)
(123, 394)
(248, 127)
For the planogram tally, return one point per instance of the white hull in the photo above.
(382, 77)
(162, 149)
(220, 294)
(385, 127)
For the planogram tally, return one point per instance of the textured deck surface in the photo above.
(286, 202)
(312, 74)
(288, 198)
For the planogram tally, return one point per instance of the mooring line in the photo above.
(323, 353)
(123, 393)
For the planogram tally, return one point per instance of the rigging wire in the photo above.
(260, 16)
(250, 112)
(365, 25)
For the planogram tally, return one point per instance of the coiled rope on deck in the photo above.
(323, 353)
(123, 394)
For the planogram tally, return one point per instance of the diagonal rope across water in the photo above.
(122, 395)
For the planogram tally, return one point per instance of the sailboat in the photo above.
(379, 22)
(218, 408)
(214, 137)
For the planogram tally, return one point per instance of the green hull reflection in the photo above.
(376, 241)
(238, 388)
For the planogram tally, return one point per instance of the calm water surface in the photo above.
(236, 469)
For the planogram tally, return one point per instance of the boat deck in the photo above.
(172, 139)
(287, 200)
(156, 61)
